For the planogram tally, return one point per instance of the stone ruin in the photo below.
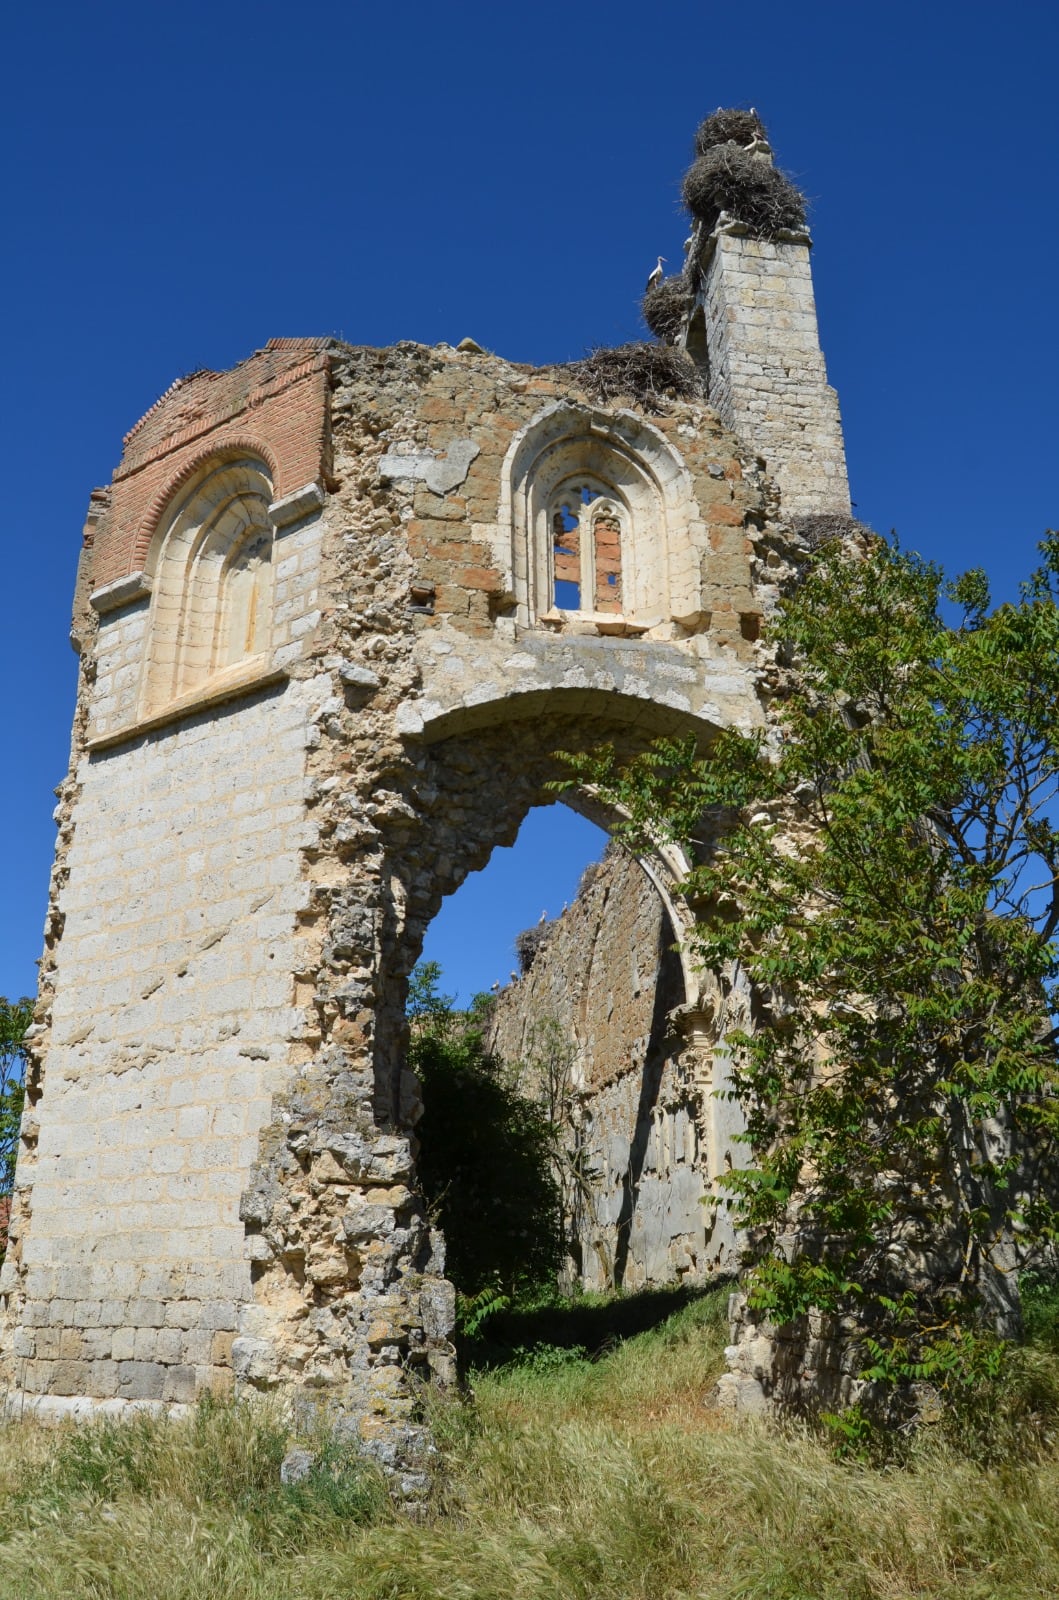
(599, 1025)
(336, 612)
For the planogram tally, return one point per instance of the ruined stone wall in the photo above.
(323, 675)
(601, 1002)
(169, 1028)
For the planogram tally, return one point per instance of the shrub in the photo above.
(486, 1160)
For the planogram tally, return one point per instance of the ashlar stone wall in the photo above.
(169, 1026)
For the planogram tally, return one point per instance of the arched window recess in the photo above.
(601, 514)
(587, 520)
(210, 565)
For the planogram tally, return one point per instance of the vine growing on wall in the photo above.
(885, 872)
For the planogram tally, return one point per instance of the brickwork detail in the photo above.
(274, 406)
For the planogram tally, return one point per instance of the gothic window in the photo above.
(600, 510)
(211, 565)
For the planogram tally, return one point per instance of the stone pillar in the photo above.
(754, 329)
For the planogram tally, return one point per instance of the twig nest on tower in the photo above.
(749, 189)
(649, 374)
(821, 528)
(722, 126)
(665, 306)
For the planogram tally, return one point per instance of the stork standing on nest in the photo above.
(656, 277)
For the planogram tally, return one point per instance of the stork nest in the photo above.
(749, 188)
(722, 126)
(650, 374)
(665, 306)
(528, 943)
(820, 528)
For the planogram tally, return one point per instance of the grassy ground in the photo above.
(567, 1479)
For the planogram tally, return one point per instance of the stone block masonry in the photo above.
(767, 376)
(169, 1030)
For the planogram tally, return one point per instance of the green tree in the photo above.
(15, 1018)
(486, 1160)
(885, 875)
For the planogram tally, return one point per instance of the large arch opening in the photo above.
(593, 1012)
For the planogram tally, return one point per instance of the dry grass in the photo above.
(565, 1480)
(651, 375)
(749, 189)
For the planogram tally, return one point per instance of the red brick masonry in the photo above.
(273, 405)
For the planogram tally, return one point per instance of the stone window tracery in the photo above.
(211, 564)
(601, 516)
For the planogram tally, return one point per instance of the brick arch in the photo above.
(240, 445)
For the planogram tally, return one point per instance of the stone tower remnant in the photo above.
(336, 611)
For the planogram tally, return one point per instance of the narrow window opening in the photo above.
(606, 538)
(697, 348)
(587, 538)
(566, 543)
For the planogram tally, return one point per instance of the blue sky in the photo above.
(181, 183)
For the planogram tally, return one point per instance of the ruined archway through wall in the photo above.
(641, 1050)
(475, 780)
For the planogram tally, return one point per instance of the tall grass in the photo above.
(565, 1479)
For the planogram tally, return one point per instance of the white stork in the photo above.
(656, 277)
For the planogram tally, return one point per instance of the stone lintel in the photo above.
(296, 506)
(122, 592)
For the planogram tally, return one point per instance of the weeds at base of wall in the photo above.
(564, 1478)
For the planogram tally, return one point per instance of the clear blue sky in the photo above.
(182, 182)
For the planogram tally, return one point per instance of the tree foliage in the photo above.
(15, 1018)
(486, 1162)
(885, 872)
